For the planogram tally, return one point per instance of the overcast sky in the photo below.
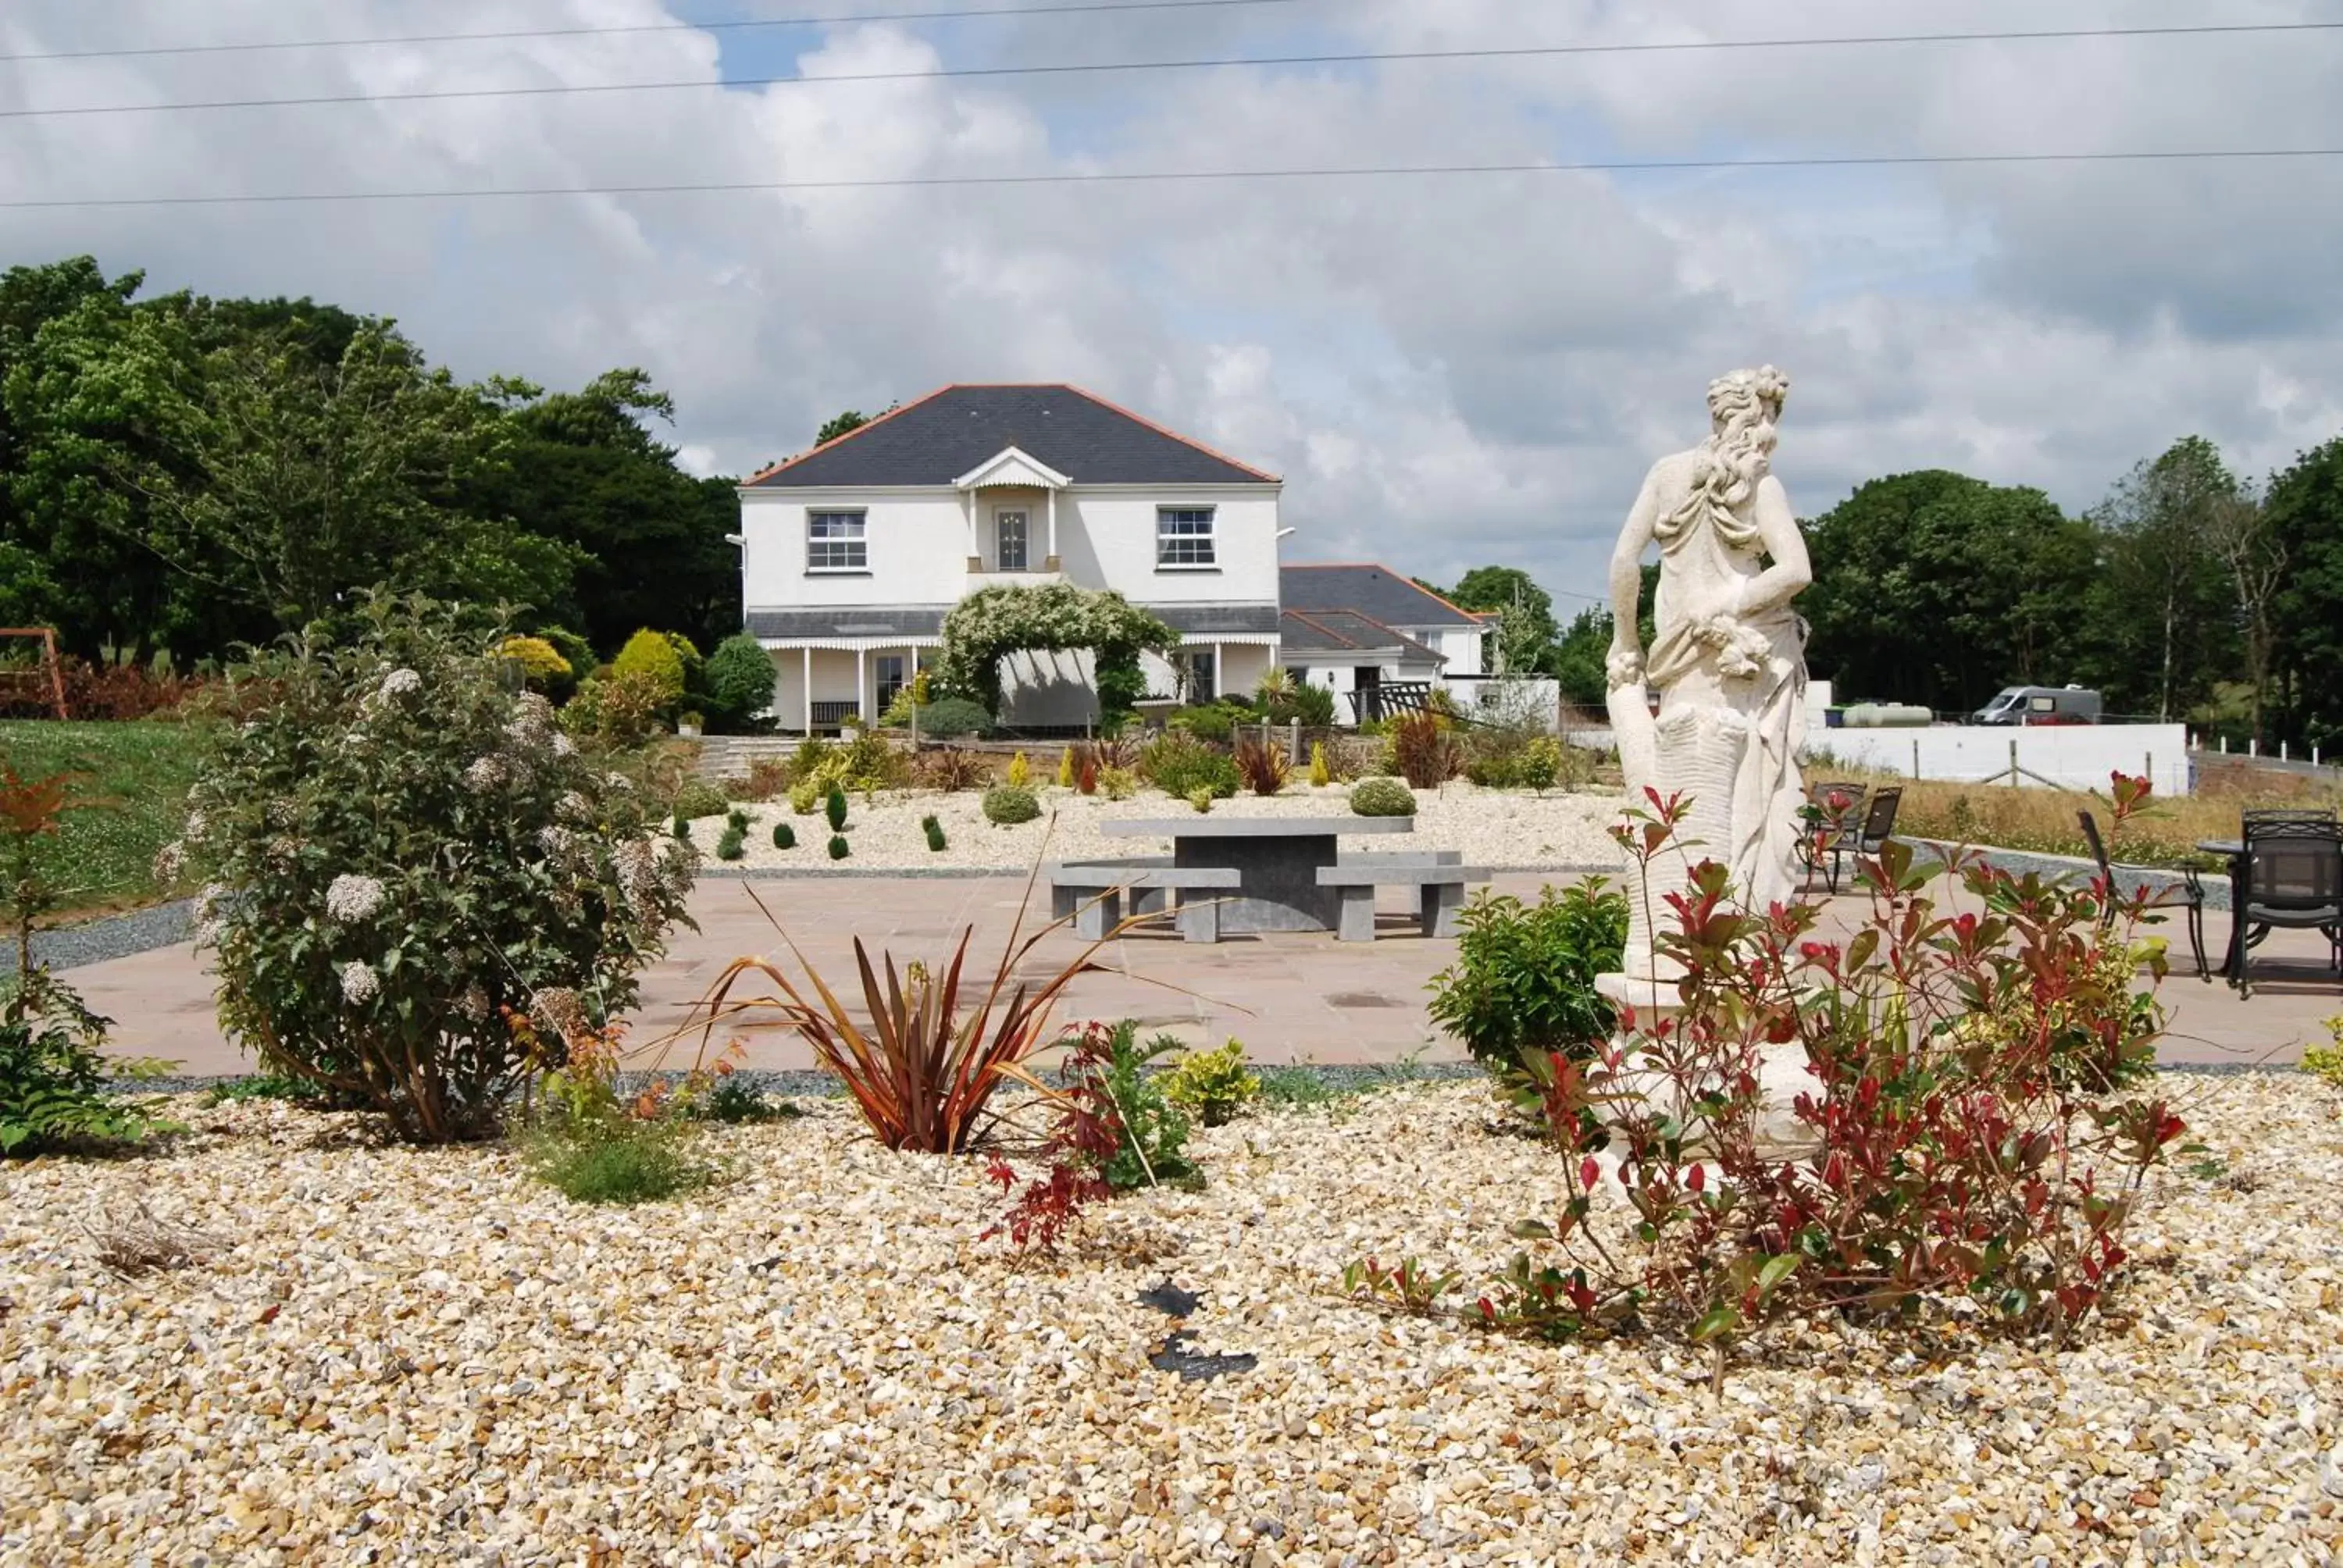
(1447, 371)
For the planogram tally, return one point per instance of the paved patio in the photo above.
(1289, 997)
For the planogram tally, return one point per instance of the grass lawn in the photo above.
(103, 859)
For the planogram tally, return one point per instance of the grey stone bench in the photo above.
(1091, 891)
(1439, 878)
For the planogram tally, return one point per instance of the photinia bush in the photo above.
(397, 849)
(1969, 1132)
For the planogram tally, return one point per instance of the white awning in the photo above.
(846, 644)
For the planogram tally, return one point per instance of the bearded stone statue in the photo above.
(1727, 659)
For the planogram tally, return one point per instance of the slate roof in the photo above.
(1374, 591)
(1201, 619)
(847, 620)
(917, 620)
(1343, 631)
(950, 432)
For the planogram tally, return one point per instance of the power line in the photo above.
(738, 25)
(930, 182)
(1358, 58)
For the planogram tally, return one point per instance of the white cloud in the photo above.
(1448, 371)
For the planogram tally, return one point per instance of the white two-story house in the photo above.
(1356, 626)
(852, 553)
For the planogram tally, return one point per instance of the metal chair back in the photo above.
(1838, 807)
(2294, 865)
(1879, 817)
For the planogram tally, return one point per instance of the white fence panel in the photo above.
(2073, 756)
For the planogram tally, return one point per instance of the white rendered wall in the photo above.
(2073, 756)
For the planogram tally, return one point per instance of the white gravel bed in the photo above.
(422, 1356)
(1492, 827)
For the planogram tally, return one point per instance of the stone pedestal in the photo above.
(1782, 1074)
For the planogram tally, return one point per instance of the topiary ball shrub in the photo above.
(839, 848)
(733, 844)
(949, 717)
(784, 836)
(935, 832)
(1008, 805)
(396, 848)
(834, 809)
(653, 656)
(1382, 798)
(737, 821)
(681, 827)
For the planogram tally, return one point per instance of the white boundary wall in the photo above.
(2078, 756)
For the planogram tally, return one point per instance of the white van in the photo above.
(2040, 705)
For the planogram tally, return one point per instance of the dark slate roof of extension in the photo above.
(849, 620)
(917, 620)
(1368, 590)
(951, 432)
(1345, 631)
(1203, 619)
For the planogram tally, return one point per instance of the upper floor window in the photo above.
(834, 542)
(1183, 536)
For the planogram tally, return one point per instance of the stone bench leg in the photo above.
(1199, 917)
(1097, 913)
(1063, 901)
(1442, 903)
(1149, 901)
(1358, 917)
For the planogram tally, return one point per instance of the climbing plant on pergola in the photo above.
(994, 622)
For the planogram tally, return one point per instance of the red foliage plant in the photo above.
(1085, 1133)
(925, 1071)
(1086, 770)
(1264, 766)
(100, 691)
(1971, 1130)
(1424, 751)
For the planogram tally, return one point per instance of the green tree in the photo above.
(1580, 660)
(1938, 589)
(839, 424)
(584, 473)
(1526, 632)
(739, 679)
(2161, 608)
(2304, 509)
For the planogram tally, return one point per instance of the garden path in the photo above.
(1289, 997)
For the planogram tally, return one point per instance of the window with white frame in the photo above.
(1183, 536)
(889, 675)
(835, 542)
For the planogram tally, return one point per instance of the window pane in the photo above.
(834, 542)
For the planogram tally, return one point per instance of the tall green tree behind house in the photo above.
(643, 541)
(1938, 589)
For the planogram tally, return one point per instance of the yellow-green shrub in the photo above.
(1212, 1084)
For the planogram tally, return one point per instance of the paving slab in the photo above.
(1289, 996)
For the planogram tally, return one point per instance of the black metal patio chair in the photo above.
(1873, 829)
(2187, 894)
(2290, 876)
(1833, 812)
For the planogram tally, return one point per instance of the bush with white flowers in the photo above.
(397, 851)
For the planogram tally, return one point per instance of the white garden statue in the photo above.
(1728, 661)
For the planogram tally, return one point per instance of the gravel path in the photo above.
(1497, 828)
(405, 1355)
(109, 936)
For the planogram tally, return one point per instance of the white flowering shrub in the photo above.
(398, 850)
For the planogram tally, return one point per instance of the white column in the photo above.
(975, 553)
(1054, 528)
(809, 688)
(862, 683)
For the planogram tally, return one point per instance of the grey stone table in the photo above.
(1276, 859)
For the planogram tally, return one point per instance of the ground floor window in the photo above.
(890, 673)
(1201, 666)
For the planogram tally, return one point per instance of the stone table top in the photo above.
(1206, 826)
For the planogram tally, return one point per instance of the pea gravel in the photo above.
(400, 1355)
